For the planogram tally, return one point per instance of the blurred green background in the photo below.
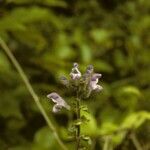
(46, 37)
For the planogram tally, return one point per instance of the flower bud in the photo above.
(75, 73)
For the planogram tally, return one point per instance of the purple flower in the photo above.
(59, 102)
(93, 82)
(75, 73)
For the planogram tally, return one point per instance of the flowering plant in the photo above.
(82, 86)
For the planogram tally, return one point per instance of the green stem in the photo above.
(106, 143)
(78, 118)
(135, 141)
(31, 91)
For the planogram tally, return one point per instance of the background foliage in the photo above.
(47, 36)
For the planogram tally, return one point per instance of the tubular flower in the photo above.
(75, 73)
(93, 82)
(59, 102)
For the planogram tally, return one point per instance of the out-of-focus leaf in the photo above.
(90, 127)
(131, 90)
(59, 3)
(9, 106)
(135, 120)
(103, 66)
(34, 40)
(46, 2)
(63, 49)
(100, 35)
(107, 128)
(15, 124)
(4, 63)
(19, 18)
(44, 140)
(118, 138)
(86, 53)
(119, 59)
(128, 96)
(23, 147)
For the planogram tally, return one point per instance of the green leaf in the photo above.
(44, 139)
(34, 40)
(59, 3)
(127, 96)
(118, 138)
(135, 120)
(4, 63)
(86, 53)
(9, 106)
(84, 108)
(20, 18)
(78, 122)
(46, 2)
(87, 138)
(90, 127)
(131, 90)
(107, 128)
(100, 35)
(22, 147)
(103, 66)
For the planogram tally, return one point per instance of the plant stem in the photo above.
(106, 143)
(135, 141)
(31, 91)
(78, 118)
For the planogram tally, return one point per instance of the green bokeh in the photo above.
(46, 37)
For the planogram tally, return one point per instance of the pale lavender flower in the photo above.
(75, 73)
(59, 102)
(93, 85)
